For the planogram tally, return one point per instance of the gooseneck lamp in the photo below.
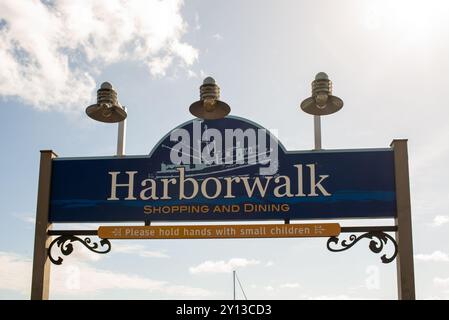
(209, 107)
(109, 110)
(321, 103)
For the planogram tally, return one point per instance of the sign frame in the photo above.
(378, 236)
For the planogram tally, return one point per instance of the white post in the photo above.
(121, 138)
(317, 130)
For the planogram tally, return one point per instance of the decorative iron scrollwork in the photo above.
(64, 242)
(379, 239)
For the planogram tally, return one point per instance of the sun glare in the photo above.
(413, 21)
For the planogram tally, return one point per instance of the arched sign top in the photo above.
(214, 146)
(229, 122)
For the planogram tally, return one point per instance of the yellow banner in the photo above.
(220, 231)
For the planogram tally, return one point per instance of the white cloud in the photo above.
(82, 254)
(158, 65)
(77, 280)
(50, 51)
(268, 288)
(79, 254)
(441, 282)
(30, 220)
(217, 37)
(191, 74)
(81, 278)
(436, 256)
(222, 266)
(197, 21)
(188, 53)
(290, 285)
(15, 272)
(186, 291)
(331, 297)
(139, 250)
(25, 217)
(269, 264)
(432, 297)
(203, 74)
(85, 279)
(440, 220)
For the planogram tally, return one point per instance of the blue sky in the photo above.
(387, 60)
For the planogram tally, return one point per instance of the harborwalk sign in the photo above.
(226, 170)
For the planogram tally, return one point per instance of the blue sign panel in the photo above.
(227, 169)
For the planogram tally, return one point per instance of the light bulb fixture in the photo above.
(107, 108)
(322, 102)
(209, 107)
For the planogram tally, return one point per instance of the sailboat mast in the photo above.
(233, 281)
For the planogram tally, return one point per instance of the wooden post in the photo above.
(404, 259)
(41, 264)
